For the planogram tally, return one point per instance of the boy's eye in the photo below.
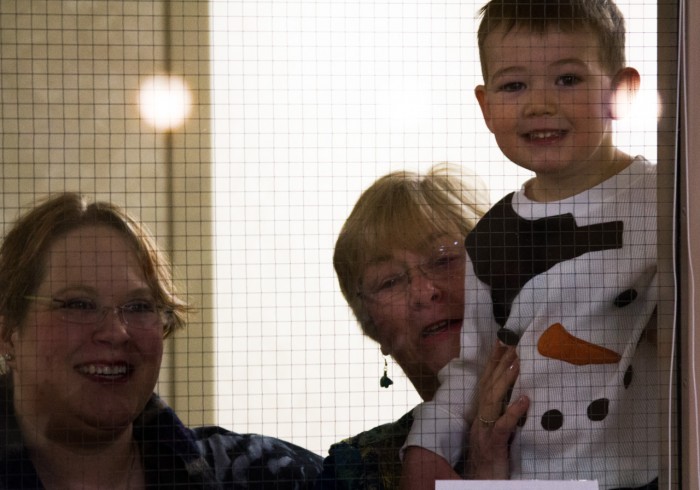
(568, 80)
(511, 87)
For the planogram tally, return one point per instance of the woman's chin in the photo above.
(113, 411)
(95, 426)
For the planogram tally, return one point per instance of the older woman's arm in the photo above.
(492, 427)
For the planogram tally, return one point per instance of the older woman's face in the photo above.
(416, 302)
(87, 376)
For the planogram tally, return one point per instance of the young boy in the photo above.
(565, 268)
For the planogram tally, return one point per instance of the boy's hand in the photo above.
(422, 467)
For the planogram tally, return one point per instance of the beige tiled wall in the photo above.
(69, 120)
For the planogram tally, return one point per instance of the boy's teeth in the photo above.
(543, 134)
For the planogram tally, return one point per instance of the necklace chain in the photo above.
(130, 474)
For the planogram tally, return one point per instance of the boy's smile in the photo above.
(549, 104)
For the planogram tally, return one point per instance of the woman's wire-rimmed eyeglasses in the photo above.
(139, 313)
(392, 284)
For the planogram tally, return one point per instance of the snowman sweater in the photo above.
(572, 283)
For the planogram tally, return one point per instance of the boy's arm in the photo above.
(421, 468)
(440, 425)
(438, 435)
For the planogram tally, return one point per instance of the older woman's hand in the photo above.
(492, 426)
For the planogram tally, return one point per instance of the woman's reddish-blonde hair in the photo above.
(24, 250)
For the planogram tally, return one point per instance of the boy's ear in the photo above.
(482, 98)
(625, 85)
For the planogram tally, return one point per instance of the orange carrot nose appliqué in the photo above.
(557, 343)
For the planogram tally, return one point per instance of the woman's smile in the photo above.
(112, 372)
(436, 331)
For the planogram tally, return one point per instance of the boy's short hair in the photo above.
(602, 17)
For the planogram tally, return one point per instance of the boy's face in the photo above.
(547, 100)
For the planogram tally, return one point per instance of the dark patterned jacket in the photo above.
(175, 456)
(367, 461)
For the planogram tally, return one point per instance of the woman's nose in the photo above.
(111, 326)
(422, 289)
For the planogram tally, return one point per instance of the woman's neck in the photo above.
(78, 460)
(426, 386)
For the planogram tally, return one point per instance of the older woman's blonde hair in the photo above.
(24, 251)
(403, 210)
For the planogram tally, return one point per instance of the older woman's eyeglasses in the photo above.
(142, 314)
(389, 281)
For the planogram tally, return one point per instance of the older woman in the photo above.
(86, 301)
(400, 261)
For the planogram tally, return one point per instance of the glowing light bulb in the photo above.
(165, 101)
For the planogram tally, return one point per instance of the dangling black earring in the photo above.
(385, 380)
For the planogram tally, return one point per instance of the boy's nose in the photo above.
(540, 102)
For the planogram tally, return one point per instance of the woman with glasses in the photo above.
(86, 301)
(400, 262)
